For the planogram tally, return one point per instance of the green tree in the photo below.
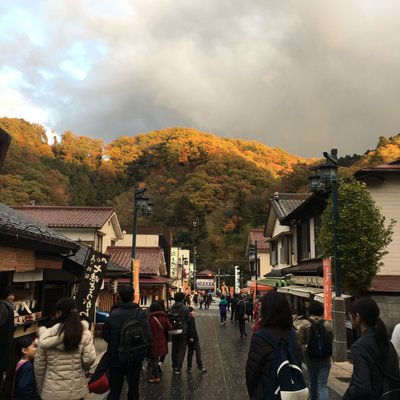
(362, 236)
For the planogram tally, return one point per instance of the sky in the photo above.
(303, 75)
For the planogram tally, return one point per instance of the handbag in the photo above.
(99, 383)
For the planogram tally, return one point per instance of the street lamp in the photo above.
(325, 179)
(253, 251)
(144, 205)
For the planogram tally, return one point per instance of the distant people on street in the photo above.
(179, 342)
(223, 305)
(372, 354)
(276, 321)
(120, 368)
(6, 330)
(208, 301)
(249, 309)
(233, 306)
(159, 325)
(396, 339)
(240, 312)
(163, 309)
(64, 355)
(193, 344)
(196, 299)
(201, 300)
(318, 362)
(228, 298)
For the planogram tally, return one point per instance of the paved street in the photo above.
(224, 356)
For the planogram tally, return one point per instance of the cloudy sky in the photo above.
(304, 75)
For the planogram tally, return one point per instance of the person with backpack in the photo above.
(179, 314)
(127, 332)
(316, 336)
(273, 346)
(375, 362)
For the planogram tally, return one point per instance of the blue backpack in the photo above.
(286, 380)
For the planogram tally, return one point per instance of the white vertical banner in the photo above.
(237, 286)
(174, 262)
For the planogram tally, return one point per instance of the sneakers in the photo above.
(189, 370)
(160, 367)
(177, 371)
(154, 380)
(202, 369)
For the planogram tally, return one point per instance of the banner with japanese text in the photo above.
(327, 268)
(174, 263)
(89, 287)
(136, 286)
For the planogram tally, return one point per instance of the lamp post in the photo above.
(194, 226)
(144, 205)
(323, 181)
(253, 251)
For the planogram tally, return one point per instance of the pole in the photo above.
(256, 265)
(194, 223)
(134, 229)
(335, 209)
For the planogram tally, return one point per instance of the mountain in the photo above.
(221, 184)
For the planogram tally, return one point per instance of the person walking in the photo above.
(249, 309)
(228, 299)
(240, 315)
(64, 355)
(179, 342)
(119, 369)
(373, 354)
(277, 322)
(160, 325)
(193, 344)
(6, 331)
(223, 305)
(318, 368)
(233, 307)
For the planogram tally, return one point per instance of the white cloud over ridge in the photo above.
(302, 75)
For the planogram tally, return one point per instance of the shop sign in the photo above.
(174, 262)
(326, 265)
(90, 284)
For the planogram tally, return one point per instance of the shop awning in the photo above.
(301, 291)
(274, 282)
(320, 296)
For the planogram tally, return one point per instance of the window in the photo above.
(304, 240)
(284, 251)
(317, 227)
(274, 253)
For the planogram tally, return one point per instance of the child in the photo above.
(24, 377)
(223, 305)
(193, 344)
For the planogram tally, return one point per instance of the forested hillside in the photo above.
(222, 184)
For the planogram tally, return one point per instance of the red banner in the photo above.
(136, 287)
(327, 288)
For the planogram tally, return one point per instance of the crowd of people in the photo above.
(66, 348)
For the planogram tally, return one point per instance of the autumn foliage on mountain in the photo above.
(221, 184)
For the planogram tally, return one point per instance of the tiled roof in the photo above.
(284, 203)
(312, 267)
(262, 241)
(393, 166)
(68, 217)
(206, 272)
(13, 222)
(151, 258)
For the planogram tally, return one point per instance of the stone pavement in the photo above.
(224, 355)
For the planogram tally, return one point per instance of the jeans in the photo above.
(223, 316)
(117, 375)
(179, 344)
(318, 376)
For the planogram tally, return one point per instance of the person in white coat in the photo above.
(396, 339)
(65, 353)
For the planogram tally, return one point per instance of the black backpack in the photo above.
(175, 317)
(286, 380)
(319, 344)
(134, 344)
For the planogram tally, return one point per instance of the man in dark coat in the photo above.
(233, 304)
(6, 330)
(240, 315)
(111, 333)
(179, 342)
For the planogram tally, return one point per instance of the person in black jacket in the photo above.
(6, 331)
(193, 344)
(372, 353)
(240, 315)
(234, 301)
(111, 334)
(276, 321)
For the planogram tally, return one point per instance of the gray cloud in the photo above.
(302, 75)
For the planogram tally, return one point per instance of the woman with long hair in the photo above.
(277, 322)
(372, 354)
(65, 354)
